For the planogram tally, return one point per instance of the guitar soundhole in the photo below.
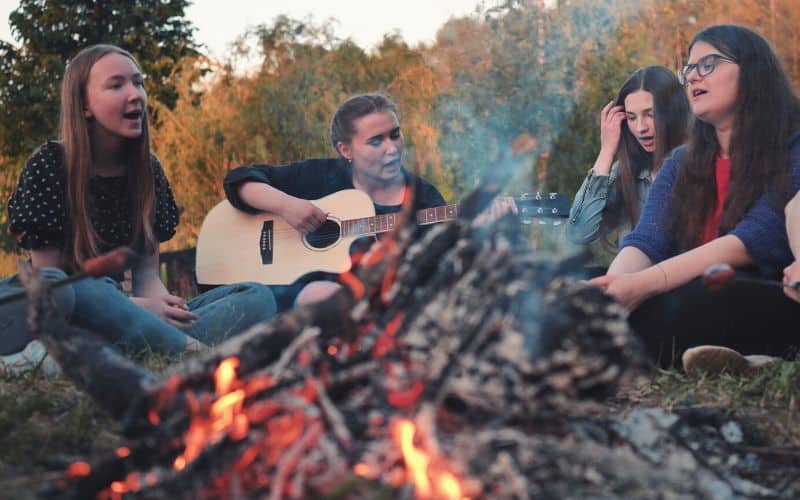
(325, 235)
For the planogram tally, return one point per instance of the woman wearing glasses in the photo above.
(639, 128)
(718, 199)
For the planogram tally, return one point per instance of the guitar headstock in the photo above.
(543, 206)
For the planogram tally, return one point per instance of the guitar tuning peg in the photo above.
(538, 196)
(552, 196)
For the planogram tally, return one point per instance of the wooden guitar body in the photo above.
(235, 246)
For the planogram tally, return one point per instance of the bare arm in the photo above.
(793, 225)
(46, 257)
(634, 287)
(150, 293)
(146, 278)
(791, 274)
(682, 268)
(611, 118)
(301, 214)
(629, 260)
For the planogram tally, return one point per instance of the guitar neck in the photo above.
(384, 223)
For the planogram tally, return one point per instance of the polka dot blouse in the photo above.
(37, 211)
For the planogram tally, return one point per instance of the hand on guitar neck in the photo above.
(498, 208)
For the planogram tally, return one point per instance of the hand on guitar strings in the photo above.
(500, 206)
(303, 215)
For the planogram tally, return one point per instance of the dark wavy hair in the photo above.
(767, 113)
(671, 119)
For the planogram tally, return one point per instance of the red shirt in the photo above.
(722, 168)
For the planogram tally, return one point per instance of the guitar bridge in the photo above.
(265, 242)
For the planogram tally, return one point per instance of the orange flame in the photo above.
(385, 341)
(362, 469)
(427, 472)
(225, 416)
(355, 285)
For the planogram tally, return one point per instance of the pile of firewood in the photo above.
(453, 364)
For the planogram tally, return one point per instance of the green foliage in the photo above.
(49, 33)
(519, 71)
(524, 80)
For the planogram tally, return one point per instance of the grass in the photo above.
(47, 423)
(769, 400)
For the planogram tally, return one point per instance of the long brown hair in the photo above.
(767, 113)
(75, 140)
(671, 109)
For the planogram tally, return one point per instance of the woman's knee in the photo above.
(316, 291)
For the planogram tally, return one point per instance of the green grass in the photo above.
(770, 399)
(776, 386)
(47, 424)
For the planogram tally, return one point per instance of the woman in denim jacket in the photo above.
(640, 127)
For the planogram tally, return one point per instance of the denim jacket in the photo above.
(600, 196)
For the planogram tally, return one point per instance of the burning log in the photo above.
(457, 364)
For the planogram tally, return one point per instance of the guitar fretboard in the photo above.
(386, 222)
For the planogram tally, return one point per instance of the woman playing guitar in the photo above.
(365, 132)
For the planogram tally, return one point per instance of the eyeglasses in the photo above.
(704, 66)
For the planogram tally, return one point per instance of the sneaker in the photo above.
(33, 357)
(713, 360)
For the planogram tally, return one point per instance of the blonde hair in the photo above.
(75, 140)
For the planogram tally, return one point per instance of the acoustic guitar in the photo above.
(236, 246)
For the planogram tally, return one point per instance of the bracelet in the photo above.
(666, 283)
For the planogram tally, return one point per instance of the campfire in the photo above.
(457, 364)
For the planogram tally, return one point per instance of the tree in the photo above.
(50, 32)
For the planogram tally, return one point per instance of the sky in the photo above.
(219, 22)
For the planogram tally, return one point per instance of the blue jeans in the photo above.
(14, 333)
(102, 307)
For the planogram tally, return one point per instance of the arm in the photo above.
(150, 293)
(586, 213)
(611, 118)
(45, 257)
(629, 260)
(791, 274)
(793, 225)
(301, 214)
(633, 288)
(263, 188)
